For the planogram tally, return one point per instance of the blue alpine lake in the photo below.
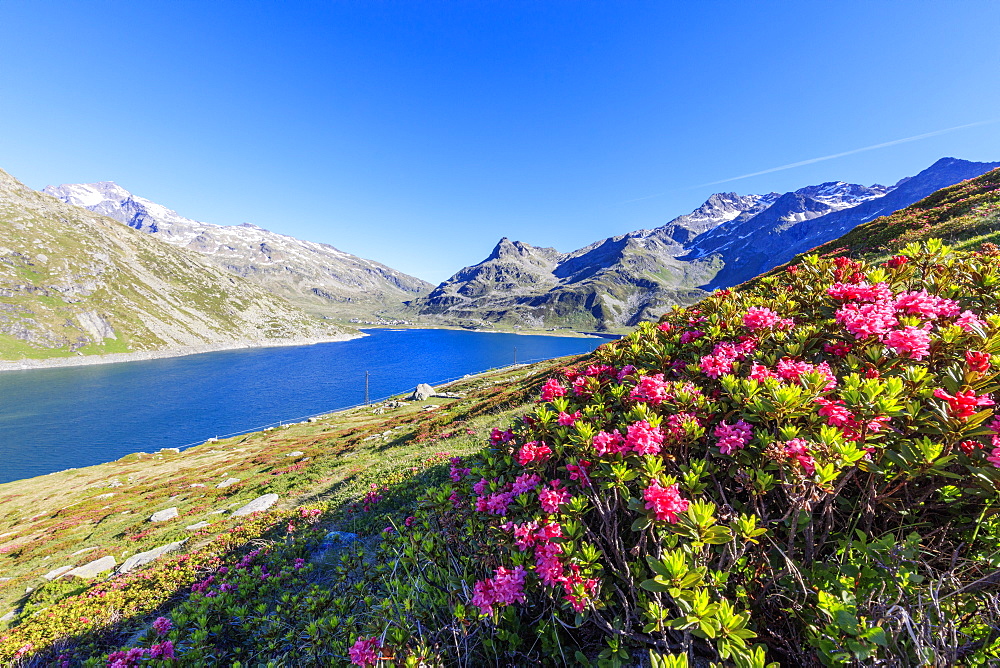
(54, 419)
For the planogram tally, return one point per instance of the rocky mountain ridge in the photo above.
(315, 276)
(619, 281)
(76, 282)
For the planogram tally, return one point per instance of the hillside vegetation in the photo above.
(805, 472)
(74, 282)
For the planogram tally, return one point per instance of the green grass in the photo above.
(48, 518)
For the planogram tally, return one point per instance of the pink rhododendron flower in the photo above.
(552, 389)
(365, 652)
(505, 588)
(835, 411)
(494, 504)
(760, 373)
(714, 366)
(665, 502)
(837, 348)
(860, 291)
(970, 322)
(964, 404)
(526, 482)
(580, 472)
(480, 486)
(162, 626)
(626, 370)
(928, 305)
(994, 456)
(163, 651)
(595, 370)
(691, 335)
(548, 566)
(567, 420)
(797, 449)
(791, 370)
(732, 436)
(978, 362)
(864, 320)
(609, 443)
(896, 261)
(913, 342)
(551, 499)
(644, 439)
(127, 659)
(758, 317)
(457, 472)
(651, 389)
(497, 437)
(533, 451)
(583, 387)
(664, 327)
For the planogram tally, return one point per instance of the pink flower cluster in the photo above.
(457, 472)
(912, 342)
(568, 419)
(665, 502)
(651, 389)
(133, 657)
(551, 499)
(838, 415)
(365, 652)
(927, 305)
(792, 370)
(723, 356)
(498, 437)
(644, 439)
(162, 626)
(964, 404)
(970, 322)
(526, 482)
(548, 565)
(506, 587)
(758, 317)
(977, 362)
(732, 436)
(580, 472)
(609, 443)
(552, 389)
(797, 450)
(533, 451)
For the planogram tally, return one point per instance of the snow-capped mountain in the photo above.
(313, 274)
(637, 276)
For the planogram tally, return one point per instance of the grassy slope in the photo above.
(44, 520)
(58, 261)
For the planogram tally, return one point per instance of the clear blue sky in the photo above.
(418, 133)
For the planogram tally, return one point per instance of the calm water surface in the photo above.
(53, 419)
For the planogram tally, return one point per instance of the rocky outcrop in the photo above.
(308, 273)
(617, 282)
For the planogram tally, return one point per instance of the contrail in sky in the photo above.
(852, 152)
(829, 157)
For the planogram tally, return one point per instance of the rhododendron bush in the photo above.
(803, 472)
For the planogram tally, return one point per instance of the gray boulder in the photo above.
(195, 527)
(163, 515)
(143, 558)
(93, 569)
(422, 392)
(53, 574)
(257, 505)
(227, 482)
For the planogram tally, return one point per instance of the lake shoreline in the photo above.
(184, 351)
